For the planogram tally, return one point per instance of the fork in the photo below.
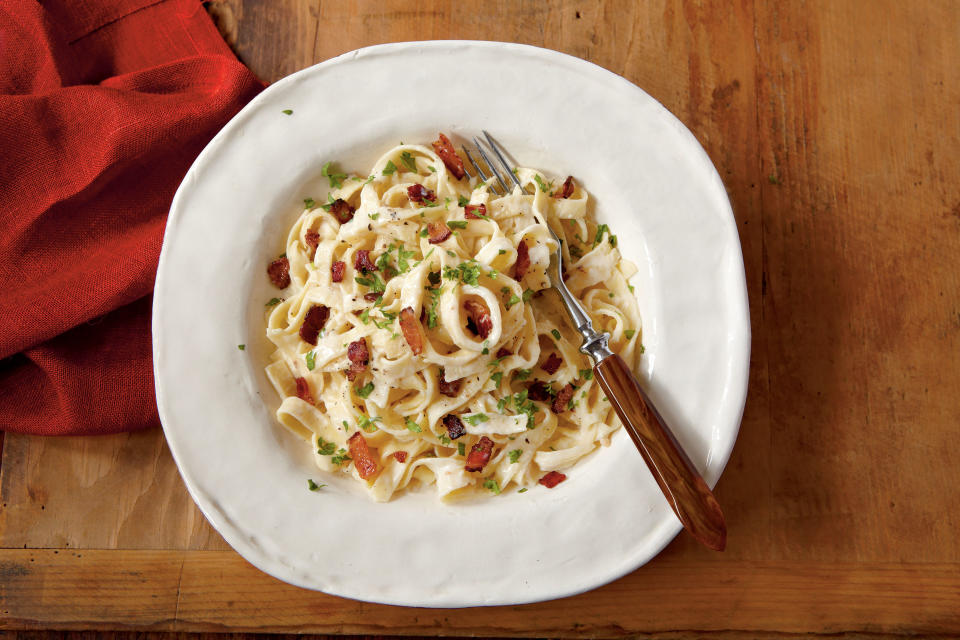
(681, 483)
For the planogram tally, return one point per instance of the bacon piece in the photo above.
(363, 460)
(552, 364)
(410, 327)
(303, 390)
(563, 397)
(313, 241)
(337, 269)
(342, 210)
(361, 261)
(471, 210)
(539, 391)
(359, 357)
(523, 260)
(401, 456)
(552, 479)
(444, 149)
(279, 272)
(503, 352)
(438, 232)
(454, 426)
(479, 455)
(451, 388)
(478, 313)
(313, 322)
(420, 194)
(566, 190)
(372, 296)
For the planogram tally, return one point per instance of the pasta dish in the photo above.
(418, 340)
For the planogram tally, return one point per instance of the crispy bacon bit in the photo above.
(444, 149)
(454, 426)
(342, 210)
(361, 261)
(479, 455)
(539, 391)
(313, 241)
(438, 232)
(503, 352)
(420, 194)
(337, 269)
(523, 260)
(471, 210)
(303, 390)
(401, 456)
(313, 322)
(363, 460)
(566, 190)
(478, 313)
(359, 357)
(552, 364)
(410, 327)
(279, 272)
(563, 397)
(552, 479)
(451, 388)
(372, 296)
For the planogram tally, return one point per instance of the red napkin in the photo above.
(104, 104)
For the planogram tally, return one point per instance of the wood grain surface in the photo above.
(835, 127)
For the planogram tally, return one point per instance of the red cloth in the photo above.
(104, 104)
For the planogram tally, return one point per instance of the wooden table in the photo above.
(835, 127)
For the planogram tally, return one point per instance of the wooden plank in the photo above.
(859, 132)
(216, 590)
(117, 491)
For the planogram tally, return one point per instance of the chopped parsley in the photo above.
(374, 216)
(462, 201)
(336, 179)
(461, 449)
(502, 403)
(407, 159)
(543, 187)
(527, 294)
(313, 486)
(501, 252)
(325, 448)
(367, 423)
(341, 457)
(390, 168)
(330, 201)
(424, 232)
(373, 281)
(514, 299)
(432, 170)
(524, 405)
(309, 203)
(273, 302)
(492, 485)
(289, 112)
(522, 374)
(556, 334)
(444, 439)
(434, 303)
(515, 455)
(630, 286)
(457, 224)
(630, 333)
(601, 229)
(311, 359)
(586, 374)
(522, 490)
(412, 426)
(241, 347)
(497, 377)
(467, 272)
(365, 390)
(476, 418)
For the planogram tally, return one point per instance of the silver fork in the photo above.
(681, 483)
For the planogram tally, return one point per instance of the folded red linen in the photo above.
(104, 104)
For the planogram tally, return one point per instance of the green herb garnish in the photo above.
(515, 455)
(336, 179)
(311, 359)
(365, 390)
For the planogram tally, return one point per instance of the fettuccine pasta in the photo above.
(418, 341)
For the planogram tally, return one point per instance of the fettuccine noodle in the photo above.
(421, 328)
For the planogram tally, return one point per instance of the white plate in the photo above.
(652, 183)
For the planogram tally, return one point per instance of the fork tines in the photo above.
(499, 171)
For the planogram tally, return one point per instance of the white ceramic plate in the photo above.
(652, 183)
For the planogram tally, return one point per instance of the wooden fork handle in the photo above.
(687, 493)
